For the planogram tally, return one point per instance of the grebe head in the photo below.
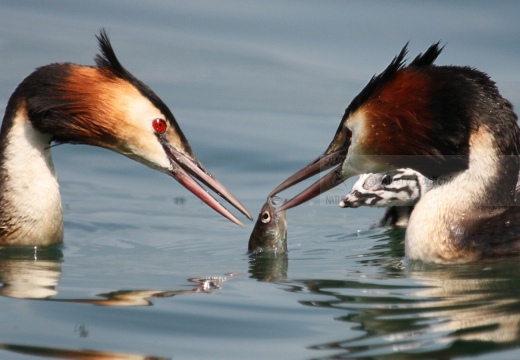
(401, 187)
(417, 116)
(106, 106)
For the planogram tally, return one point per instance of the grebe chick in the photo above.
(103, 106)
(398, 190)
(442, 121)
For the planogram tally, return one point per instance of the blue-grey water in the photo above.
(258, 87)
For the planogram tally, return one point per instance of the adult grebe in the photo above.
(399, 190)
(103, 106)
(443, 121)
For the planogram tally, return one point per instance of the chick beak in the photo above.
(184, 167)
(324, 162)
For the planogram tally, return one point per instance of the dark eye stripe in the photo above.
(366, 197)
(407, 189)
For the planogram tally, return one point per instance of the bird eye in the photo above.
(349, 134)
(265, 217)
(159, 125)
(387, 180)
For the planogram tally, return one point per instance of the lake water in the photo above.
(148, 271)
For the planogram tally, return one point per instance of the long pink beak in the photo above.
(322, 163)
(184, 166)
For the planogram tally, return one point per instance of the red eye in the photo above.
(159, 125)
(349, 134)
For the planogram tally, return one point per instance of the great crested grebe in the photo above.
(399, 190)
(442, 121)
(103, 106)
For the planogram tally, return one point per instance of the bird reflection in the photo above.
(485, 307)
(34, 273)
(30, 273)
(436, 312)
(441, 310)
(60, 353)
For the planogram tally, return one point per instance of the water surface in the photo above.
(147, 270)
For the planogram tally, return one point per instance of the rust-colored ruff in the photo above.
(398, 118)
(96, 102)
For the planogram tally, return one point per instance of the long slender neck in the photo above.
(443, 221)
(30, 204)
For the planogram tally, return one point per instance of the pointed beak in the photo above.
(333, 157)
(324, 162)
(184, 168)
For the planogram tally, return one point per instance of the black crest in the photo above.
(107, 60)
(429, 56)
(379, 81)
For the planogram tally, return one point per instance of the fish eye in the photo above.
(159, 125)
(265, 217)
(387, 180)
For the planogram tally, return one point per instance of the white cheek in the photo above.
(142, 143)
(141, 113)
(357, 163)
(157, 161)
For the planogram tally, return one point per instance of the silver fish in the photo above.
(270, 231)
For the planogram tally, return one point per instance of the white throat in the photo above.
(440, 219)
(32, 213)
